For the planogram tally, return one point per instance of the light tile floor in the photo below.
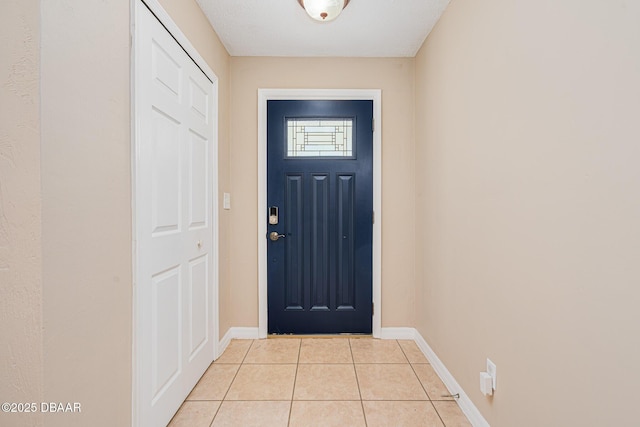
(320, 382)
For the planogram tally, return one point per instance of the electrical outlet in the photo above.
(226, 201)
(486, 384)
(491, 370)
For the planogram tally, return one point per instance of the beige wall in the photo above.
(395, 78)
(86, 209)
(527, 149)
(20, 230)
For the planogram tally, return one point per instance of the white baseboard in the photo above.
(397, 333)
(466, 405)
(236, 333)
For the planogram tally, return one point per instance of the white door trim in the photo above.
(160, 13)
(265, 95)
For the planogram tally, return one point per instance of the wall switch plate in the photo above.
(226, 201)
(491, 370)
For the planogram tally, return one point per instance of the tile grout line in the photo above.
(422, 385)
(353, 360)
(438, 413)
(403, 353)
(416, 374)
(295, 379)
(231, 383)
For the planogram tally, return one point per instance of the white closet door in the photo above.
(173, 194)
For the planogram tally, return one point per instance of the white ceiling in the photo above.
(366, 28)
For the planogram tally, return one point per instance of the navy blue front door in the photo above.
(320, 205)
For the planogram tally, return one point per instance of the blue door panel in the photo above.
(294, 249)
(345, 255)
(320, 273)
(319, 250)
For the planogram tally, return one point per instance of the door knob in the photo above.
(274, 236)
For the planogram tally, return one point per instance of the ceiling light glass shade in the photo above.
(323, 10)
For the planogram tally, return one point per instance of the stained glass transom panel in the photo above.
(320, 138)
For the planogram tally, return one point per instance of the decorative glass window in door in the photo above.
(320, 138)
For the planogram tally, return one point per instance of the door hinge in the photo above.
(373, 125)
(372, 309)
(373, 217)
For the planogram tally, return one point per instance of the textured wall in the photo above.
(528, 207)
(395, 78)
(20, 202)
(86, 209)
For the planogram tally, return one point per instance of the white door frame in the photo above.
(184, 42)
(265, 95)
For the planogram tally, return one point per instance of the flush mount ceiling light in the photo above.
(323, 10)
